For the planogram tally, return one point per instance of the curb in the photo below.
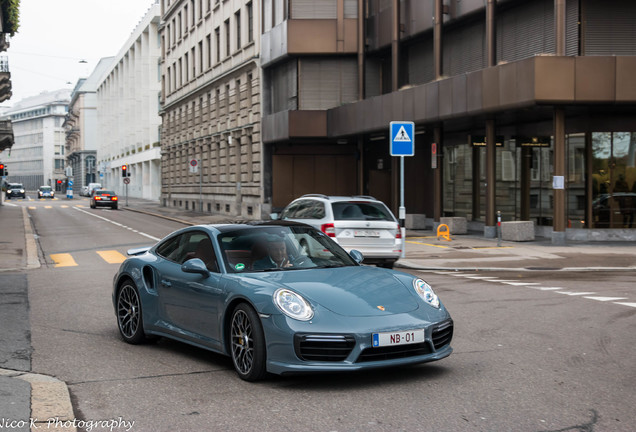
(51, 405)
(33, 261)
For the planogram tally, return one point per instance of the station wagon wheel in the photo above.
(129, 318)
(247, 343)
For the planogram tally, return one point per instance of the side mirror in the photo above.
(273, 216)
(195, 265)
(356, 255)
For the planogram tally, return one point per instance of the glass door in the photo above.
(613, 179)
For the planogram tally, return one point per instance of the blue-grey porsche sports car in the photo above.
(278, 297)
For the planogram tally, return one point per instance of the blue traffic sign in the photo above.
(402, 138)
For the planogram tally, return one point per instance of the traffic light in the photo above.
(1, 169)
(124, 170)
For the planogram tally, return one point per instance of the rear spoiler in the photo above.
(138, 251)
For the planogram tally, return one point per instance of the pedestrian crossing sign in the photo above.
(402, 138)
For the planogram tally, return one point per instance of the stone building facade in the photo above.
(211, 139)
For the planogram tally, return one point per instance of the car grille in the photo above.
(327, 348)
(442, 334)
(394, 352)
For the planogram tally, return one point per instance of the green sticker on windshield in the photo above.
(240, 267)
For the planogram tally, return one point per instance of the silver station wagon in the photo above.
(354, 222)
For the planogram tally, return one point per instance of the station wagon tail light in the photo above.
(398, 235)
(328, 229)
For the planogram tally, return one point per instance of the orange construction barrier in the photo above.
(444, 232)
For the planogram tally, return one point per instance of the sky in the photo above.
(61, 41)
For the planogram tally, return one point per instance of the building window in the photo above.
(208, 41)
(180, 72)
(227, 37)
(217, 37)
(194, 63)
(185, 63)
(237, 20)
(250, 23)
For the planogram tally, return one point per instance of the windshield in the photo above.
(45, 188)
(280, 248)
(16, 186)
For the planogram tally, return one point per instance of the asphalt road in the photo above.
(527, 358)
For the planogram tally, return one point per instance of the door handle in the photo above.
(165, 283)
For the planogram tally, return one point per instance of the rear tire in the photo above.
(247, 343)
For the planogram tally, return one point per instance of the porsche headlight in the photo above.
(293, 305)
(425, 291)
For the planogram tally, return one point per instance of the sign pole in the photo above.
(402, 136)
(402, 213)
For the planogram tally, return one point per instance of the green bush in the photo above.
(10, 16)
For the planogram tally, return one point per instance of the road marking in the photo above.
(111, 256)
(63, 260)
(117, 224)
(482, 277)
(428, 244)
(520, 283)
(626, 304)
(32, 208)
(605, 299)
(575, 293)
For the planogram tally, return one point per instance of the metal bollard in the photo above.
(498, 228)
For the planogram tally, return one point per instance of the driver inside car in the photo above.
(276, 256)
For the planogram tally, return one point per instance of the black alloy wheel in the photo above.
(129, 318)
(247, 343)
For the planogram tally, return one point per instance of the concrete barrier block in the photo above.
(517, 230)
(456, 224)
(415, 221)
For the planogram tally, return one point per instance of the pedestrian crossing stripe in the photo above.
(112, 256)
(66, 259)
(63, 260)
(402, 135)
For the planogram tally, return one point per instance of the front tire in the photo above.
(129, 317)
(247, 343)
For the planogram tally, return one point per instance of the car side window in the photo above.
(318, 210)
(289, 212)
(304, 209)
(168, 248)
(192, 244)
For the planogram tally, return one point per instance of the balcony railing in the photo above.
(4, 64)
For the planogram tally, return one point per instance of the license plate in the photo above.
(105, 198)
(398, 338)
(366, 233)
